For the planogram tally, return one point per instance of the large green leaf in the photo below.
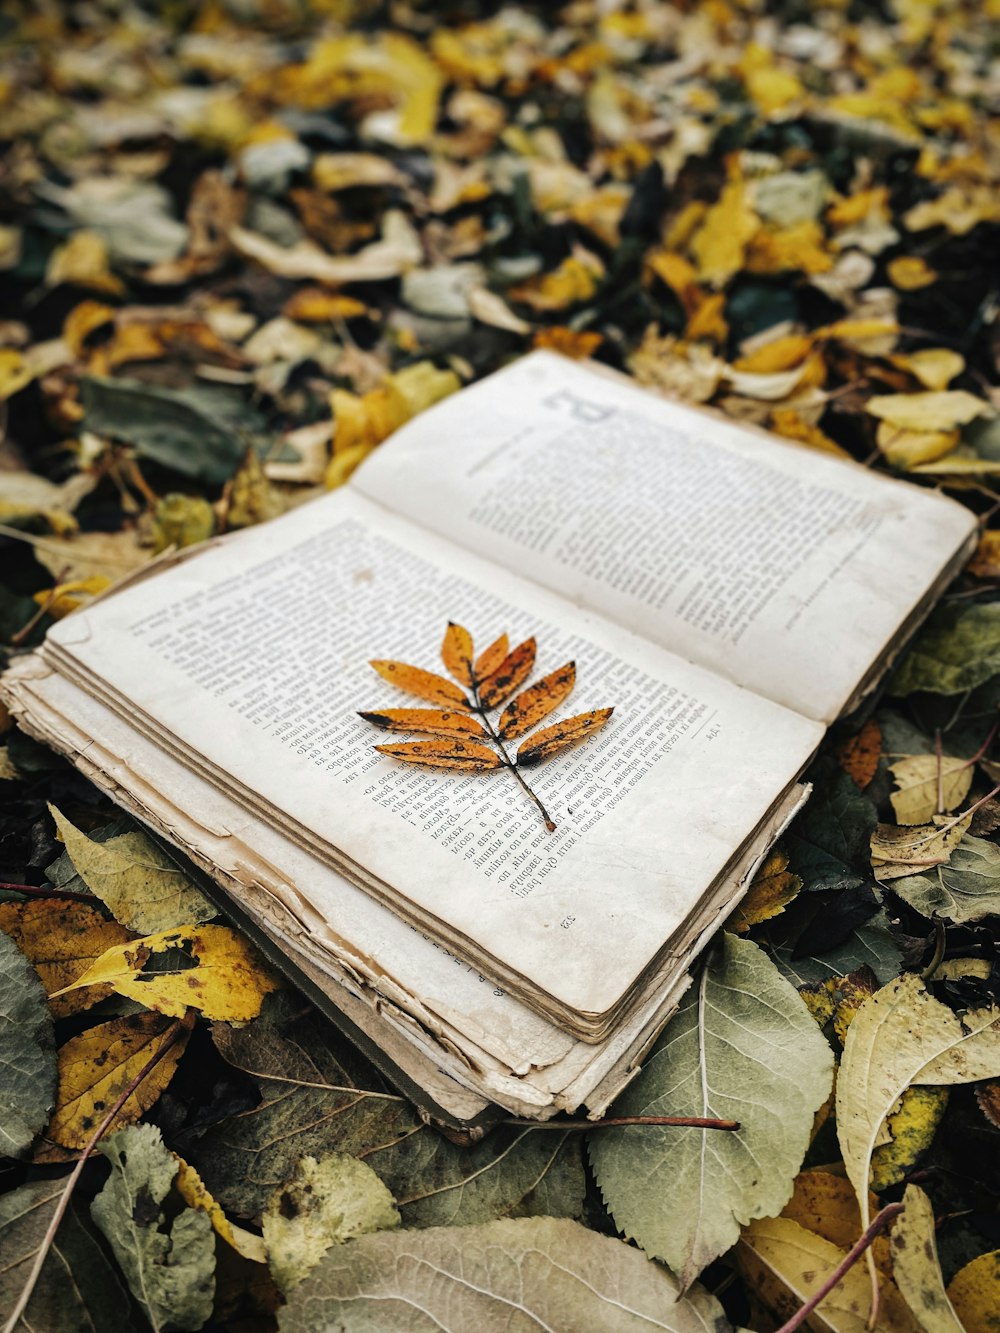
(742, 1047)
(77, 1291)
(298, 1063)
(966, 889)
(504, 1277)
(27, 1052)
(170, 1267)
(871, 945)
(958, 649)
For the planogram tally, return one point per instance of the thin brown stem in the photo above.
(510, 763)
(614, 1121)
(171, 1035)
(852, 1256)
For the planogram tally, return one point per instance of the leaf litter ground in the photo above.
(240, 244)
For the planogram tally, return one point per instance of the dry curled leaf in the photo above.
(544, 744)
(467, 755)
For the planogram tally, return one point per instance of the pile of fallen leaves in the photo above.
(240, 243)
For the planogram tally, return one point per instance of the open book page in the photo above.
(253, 657)
(733, 550)
(351, 947)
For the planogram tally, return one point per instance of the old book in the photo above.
(728, 593)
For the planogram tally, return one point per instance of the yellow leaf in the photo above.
(84, 320)
(934, 367)
(773, 89)
(61, 600)
(468, 756)
(848, 211)
(509, 675)
(570, 284)
(909, 273)
(921, 778)
(227, 979)
(679, 275)
(456, 653)
(912, 448)
(940, 411)
(425, 721)
(916, 1268)
(15, 373)
(773, 888)
(791, 425)
(708, 320)
(490, 658)
(910, 1130)
(801, 245)
(536, 702)
(317, 305)
(719, 245)
(826, 1205)
(195, 1194)
(345, 461)
(574, 343)
(550, 740)
(251, 497)
(424, 684)
(897, 852)
(974, 1292)
(778, 354)
(96, 1067)
(985, 564)
(62, 940)
(83, 260)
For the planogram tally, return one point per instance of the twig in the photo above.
(495, 737)
(613, 1121)
(171, 1035)
(852, 1256)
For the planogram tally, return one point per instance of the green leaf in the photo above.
(915, 1265)
(742, 1047)
(536, 1273)
(899, 1037)
(136, 881)
(200, 432)
(78, 1291)
(871, 945)
(170, 1269)
(966, 889)
(434, 1182)
(324, 1203)
(828, 844)
(27, 1053)
(958, 649)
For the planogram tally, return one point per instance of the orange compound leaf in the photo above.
(536, 702)
(512, 672)
(469, 756)
(550, 740)
(424, 684)
(490, 658)
(428, 721)
(456, 653)
(859, 756)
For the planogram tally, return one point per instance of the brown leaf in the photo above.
(456, 653)
(536, 702)
(550, 740)
(424, 684)
(467, 755)
(429, 721)
(859, 756)
(62, 939)
(988, 1097)
(490, 658)
(512, 671)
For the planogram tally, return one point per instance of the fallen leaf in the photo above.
(772, 889)
(429, 721)
(490, 658)
(974, 1293)
(169, 1268)
(966, 889)
(395, 253)
(719, 245)
(934, 367)
(424, 684)
(909, 1133)
(135, 879)
(97, 1066)
(910, 273)
(826, 1205)
(512, 672)
(985, 564)
(859, 756)
(915, 1266)
(550, 740)
(324, 1203)
(554, 1274)
(220, 975)
(957, 649)
(456, 653)
(27, 1053)
(536, 702)
(914, 448)
(191, 1188)
(828, 845)
(940, 411)
(742, 1046)
(61, 940)
(903, 1036)
(897, 852)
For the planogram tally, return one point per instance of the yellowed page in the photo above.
(784, 570)
(254, 657)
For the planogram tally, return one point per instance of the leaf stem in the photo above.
(879, 1224)
(170, 1036)
(43, 891)
(613, 1121)
(495, 737)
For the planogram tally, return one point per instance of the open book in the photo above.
(728, 593)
